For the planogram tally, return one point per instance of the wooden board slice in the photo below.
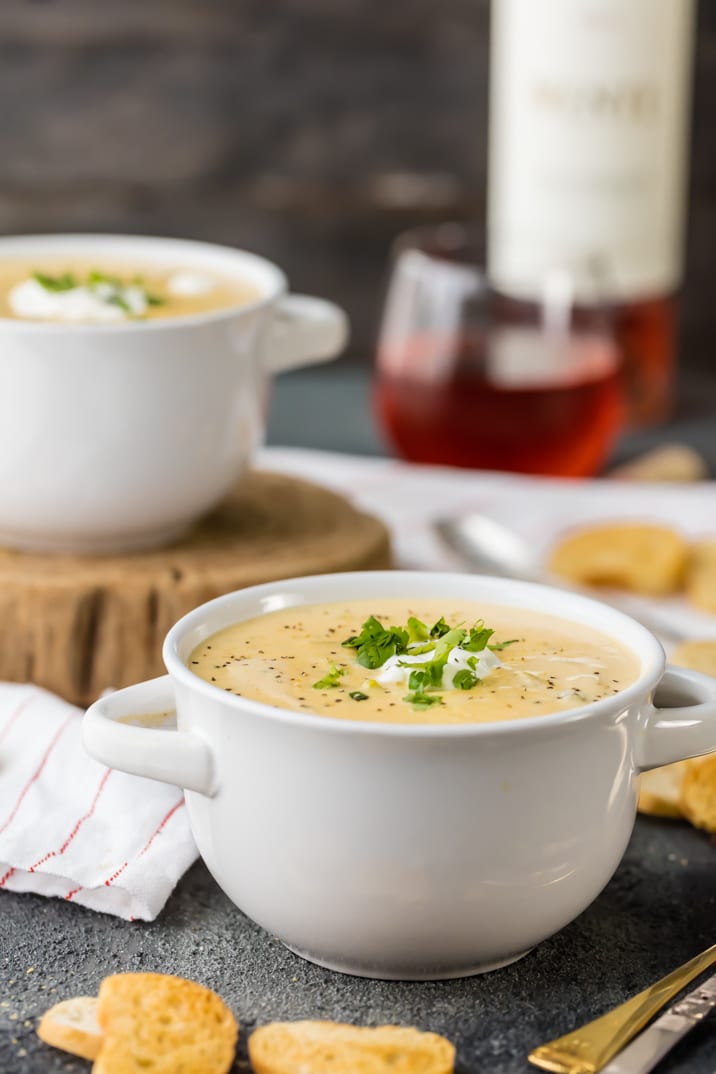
(78, 625)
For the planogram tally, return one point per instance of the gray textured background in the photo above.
(309, 130)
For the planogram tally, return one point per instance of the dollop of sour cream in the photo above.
(397, 668)
(190, 284)
(31, 301)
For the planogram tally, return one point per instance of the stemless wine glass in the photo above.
(468, 377)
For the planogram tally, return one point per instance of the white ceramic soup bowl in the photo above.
(413, 852)
(117, 437)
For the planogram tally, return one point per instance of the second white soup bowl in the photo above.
(115, 437)
(409, 851)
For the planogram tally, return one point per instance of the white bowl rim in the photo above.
(88, 240)
(652, 657)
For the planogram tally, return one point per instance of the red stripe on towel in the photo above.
(78, 825)
(16, 715)
(110, 880)
(115, 875)
(4, 879)
(162, 823)
(36, 774)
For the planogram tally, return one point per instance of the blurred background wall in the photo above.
(311, 131)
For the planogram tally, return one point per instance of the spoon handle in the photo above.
(657, 1040)
(588, 1049)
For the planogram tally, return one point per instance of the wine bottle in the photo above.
(588, 147)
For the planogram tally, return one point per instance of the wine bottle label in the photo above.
(589, 118)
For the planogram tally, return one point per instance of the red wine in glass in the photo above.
(468, 377)
(510, 400)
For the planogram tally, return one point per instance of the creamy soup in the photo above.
(112, 292)
(394, 661)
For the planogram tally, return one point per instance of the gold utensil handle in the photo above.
(588, 1049)
(648, 1049)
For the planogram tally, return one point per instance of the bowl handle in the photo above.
(178, 757)
(682, 721)
(304, 330)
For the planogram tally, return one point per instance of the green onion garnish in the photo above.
(331, 679)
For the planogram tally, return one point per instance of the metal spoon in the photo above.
(489, 547)
(587, 1049)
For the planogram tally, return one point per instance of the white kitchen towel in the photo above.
(70, 827)
(410, 498)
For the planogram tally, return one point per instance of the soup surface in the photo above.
(394, 661)
(111, 292)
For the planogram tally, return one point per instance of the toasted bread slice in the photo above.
(698, 655)
(72, 1026)
(667, 462)
(152, 1022)
(698, 793)
(660, 790)
(701, 575)
(333, 1048)
(644, 558)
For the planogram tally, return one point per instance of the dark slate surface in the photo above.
(658, 911)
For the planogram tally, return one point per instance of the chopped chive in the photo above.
(423, 701)
(118, 300)
(331, 679)
(65, 282)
